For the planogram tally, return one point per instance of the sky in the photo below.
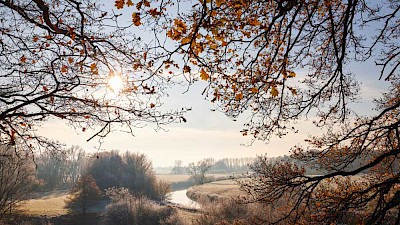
(206, 133)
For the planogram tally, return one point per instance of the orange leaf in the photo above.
(93, 68)
(136, 19)
(186, 69)
(219, 2)
(274, 92)
(129, 3)
(204, 75)
(293, 90)
(254, 90)
(64, 69)
(22, 59)
(292, 74)
(154, 13)
(119, 4)
(239, 96)
(180, 26)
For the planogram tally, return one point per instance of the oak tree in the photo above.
(75, 62)
(253, 54)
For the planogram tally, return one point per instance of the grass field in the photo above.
(215, 190)
(52, 204)
(49, 204)
(171, 178)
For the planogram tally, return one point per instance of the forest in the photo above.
(104, 68)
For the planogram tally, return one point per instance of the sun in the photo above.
(115, 83)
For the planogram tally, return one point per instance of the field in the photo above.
(49, 204)
(215, 190)
(171, 178)
(52, 204)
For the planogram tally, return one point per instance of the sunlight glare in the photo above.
(115, 83)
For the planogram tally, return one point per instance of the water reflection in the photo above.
(180, 198)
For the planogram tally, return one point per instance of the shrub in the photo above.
(131, 170)
(225, 211)
(126, 209)
(84, 195)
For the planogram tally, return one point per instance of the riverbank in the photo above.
(225, 189)
(184, 181)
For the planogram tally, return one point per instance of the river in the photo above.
(180, 198)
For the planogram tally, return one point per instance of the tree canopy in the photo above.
(277, 60)
(59, 59)
(251, 51)
(280, 61)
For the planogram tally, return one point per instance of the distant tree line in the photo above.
(60, 170)
(232, 165)
(225, 165)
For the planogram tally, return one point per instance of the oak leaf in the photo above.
(254, 90)
(93, 68)
(64, 69)
(22, 59)
(186, 69)
(274, 91)
(204, 75)
(119, 4)
(239, 96)
(129, 3)
(219, 2)
(136, 19)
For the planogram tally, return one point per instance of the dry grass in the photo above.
(188, 217)
(215, 190)
(49, 204)
(171, 178)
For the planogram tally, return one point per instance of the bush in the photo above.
(132, 170)
(225, 211)
(84, 195)
(126, 209)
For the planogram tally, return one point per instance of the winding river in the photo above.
(180, 198)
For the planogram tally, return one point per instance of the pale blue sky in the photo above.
(208, 134)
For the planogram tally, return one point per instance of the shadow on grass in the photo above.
(69, 219)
